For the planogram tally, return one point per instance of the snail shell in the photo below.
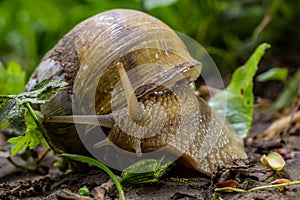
(157, 67)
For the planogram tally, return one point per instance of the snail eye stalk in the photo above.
(136, 112)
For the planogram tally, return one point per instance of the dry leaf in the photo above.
(280, 181)
(273, 160)
(228, 183)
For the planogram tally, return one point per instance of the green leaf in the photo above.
(32, 137)
(17, 122)
(100, 165)
(12, 79)
(12, 106)
(148, 5)
(6, 107)
(84, 191)
(239, 95)
(289, 93)
(276, 74)
(43, 92)
(145, 171)
(14, 109)
(14, 114)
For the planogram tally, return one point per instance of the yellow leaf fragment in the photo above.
(273, 160)
(264, 160)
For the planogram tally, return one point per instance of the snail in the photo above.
(134, 74)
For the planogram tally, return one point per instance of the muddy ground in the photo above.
(50, 183)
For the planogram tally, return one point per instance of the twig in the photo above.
(100, 191)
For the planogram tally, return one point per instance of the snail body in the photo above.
(134, 73)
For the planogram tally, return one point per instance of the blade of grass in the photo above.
(99, 165)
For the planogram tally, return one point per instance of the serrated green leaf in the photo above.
(275, 74)
(17, 123)
(13, 111)
(145, 171)
(13, 108)
(15, 115)
(20, 144)
(31, 139)
(42, 92)
(6, 108)
(239, 95)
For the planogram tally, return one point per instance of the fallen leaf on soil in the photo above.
(280, 181)
(273, 160)
(228, 183)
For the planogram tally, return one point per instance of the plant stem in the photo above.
(101, 166)
(275, 186)
(230, 188)
(258, 188)
(42, 129)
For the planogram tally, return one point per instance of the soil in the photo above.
(51, 183)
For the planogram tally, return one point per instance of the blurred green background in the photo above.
(229, 30)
